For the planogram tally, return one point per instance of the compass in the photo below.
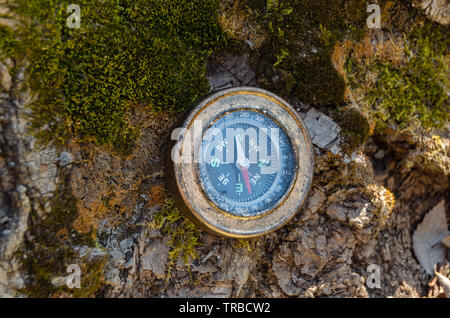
(240, 163)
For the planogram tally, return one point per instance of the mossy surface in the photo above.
(295, 59)
(126, 53)
(355, 126)
(410, 90)
(153, 53)
(245, 244)
(184, 235)
(7, 42)
(49, 250)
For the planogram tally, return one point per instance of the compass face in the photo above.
(241, 164)
(248, 163)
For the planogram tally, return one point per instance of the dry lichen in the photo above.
(432, 154)
(50, 247)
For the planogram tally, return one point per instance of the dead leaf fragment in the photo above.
(428, 236)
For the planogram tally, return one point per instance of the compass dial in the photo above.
(248, 164)
(241, 163)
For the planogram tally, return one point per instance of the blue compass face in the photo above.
(247, 163)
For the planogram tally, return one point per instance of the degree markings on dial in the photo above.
(264, 185)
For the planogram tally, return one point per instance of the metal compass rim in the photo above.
(197, 204)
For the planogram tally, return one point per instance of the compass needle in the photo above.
(243, 163)
(247, 180)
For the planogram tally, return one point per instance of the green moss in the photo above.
(126, 53)
(295, 60)
(184, 234)
(411, 94)
(245, 244)
(355, 127)
(48, 251)
(7, 42)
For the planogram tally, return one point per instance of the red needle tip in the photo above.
(246, 179)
